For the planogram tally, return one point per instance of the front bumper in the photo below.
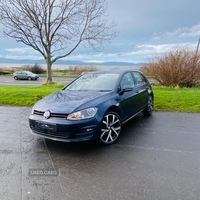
(64, 130)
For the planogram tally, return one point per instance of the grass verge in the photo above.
(166, 99)
(25, 95)
(176, 99)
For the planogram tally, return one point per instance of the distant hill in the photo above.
(68, 62)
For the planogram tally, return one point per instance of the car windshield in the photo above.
(95, 81)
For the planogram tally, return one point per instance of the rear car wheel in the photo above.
(15, 77)
(149, 109)
(29, 78)
(110, 128)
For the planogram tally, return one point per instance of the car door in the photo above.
(128, 100)
(141, 88)
(19, 75)
(24, 75)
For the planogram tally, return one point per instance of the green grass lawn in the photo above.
(173, 99)
(166, 99)
(61, 74)
(25, 95)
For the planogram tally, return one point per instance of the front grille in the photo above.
(36, 112)
(56, 115)
(49, 133)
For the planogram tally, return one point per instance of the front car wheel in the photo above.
(110, 128)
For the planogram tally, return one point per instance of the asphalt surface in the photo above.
(9, 80)
(155, 158)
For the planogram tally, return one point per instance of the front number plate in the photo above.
(44, 126)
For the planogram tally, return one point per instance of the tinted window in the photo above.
(139, 78)
(127, 79)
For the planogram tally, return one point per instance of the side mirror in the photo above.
(126, 88)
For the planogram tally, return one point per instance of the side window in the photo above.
(139, 78)
(127, 79)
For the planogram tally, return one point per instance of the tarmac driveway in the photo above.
(155, 158)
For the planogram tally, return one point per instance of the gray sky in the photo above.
(146, 28)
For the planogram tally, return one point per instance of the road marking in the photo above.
(154, 149)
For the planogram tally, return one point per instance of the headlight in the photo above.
(83, 114)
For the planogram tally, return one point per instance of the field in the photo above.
(166, 99)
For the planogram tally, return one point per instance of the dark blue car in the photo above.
(94, 106)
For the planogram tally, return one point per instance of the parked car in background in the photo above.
(93, 106)
(25, 75)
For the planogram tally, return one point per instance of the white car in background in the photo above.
(25, 75)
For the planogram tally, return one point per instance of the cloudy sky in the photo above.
(146, 28)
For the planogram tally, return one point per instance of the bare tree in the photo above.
(52, 27)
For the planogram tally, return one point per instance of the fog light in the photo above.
(89, 129)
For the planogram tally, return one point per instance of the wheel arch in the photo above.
(152, 95)
(114, 109)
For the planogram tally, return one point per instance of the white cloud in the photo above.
(21, 53)
(184, 32)
(191, 32)
(146, 29)
(18, 50)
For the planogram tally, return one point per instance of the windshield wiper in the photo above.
(105, 90)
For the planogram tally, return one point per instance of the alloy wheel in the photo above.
(111, 128)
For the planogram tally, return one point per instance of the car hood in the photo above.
(66, 101)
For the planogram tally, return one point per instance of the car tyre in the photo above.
(15, 77)
(149, 109)
(110, 128)
(29, 78)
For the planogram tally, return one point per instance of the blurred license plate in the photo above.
(45, 126)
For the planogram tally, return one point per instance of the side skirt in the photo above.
(132, 117)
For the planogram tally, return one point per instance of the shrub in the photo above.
(178, 67)
(37, 69)
(5, 72)
(81, 69)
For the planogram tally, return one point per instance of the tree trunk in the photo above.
(49, 73)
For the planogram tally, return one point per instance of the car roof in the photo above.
(118, 71)
(24, 71)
